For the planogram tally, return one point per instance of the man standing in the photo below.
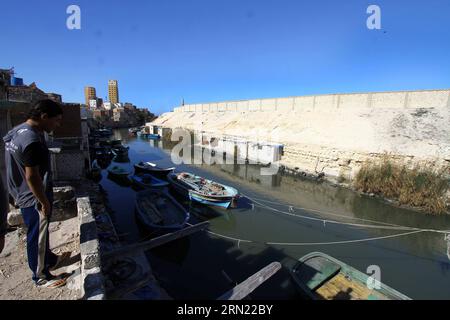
(29, 181)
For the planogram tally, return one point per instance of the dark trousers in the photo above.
(40, 258)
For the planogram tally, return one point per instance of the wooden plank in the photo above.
(150, 244)
(248, 286)
(341, 288)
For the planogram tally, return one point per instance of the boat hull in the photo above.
(193, 192)
(177, 186)
(154, 184)
(224, 203)
(160, 173)
(172, 215)
(321, 277)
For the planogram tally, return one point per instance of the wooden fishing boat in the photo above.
(321, 277)
(102, 132)
(180, 186)
(96, 171)
(159, 211)
(118, 171)
(120, 150)
(148, 181)
(203, 190)
(115, 143)
(121, 158)
(121, 180)
(102, 152)
(153, 169)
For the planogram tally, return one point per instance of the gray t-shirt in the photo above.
(16, 143)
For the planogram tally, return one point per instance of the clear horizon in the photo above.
(206, 51)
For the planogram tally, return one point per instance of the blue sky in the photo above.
(213, 50)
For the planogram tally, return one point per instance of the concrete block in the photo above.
(428, 99)
(242, 106)
(302, 104)
(268, 104)
(389, 100)
(63, 193)
(91, 261)
(353, 102)
(15, 218)
(254, 105)
(285, 104)
(222, 106)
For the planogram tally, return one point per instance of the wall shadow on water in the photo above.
(200, 266)
(198, 274)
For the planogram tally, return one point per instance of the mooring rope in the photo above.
(239, 240)
(386, 226)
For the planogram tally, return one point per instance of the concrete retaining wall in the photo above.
(92, 277)
(330, 103)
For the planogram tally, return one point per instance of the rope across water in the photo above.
(382, 225)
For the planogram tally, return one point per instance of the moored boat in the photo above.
(159, 211)
(118, 171)
(119, 150)
(144, 134)
(102, 152)
(203, 190)
(148, 181)
(115, 143)
(153, 169)
(321, 277)
(153, 136)
(102, 132)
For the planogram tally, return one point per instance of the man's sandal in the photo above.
(52, 283)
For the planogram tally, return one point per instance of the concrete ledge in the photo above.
(92, 287)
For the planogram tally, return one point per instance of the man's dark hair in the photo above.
(50, 107)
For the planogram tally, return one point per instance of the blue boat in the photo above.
(152, 136)
(149, 181)
(202, 190)
(120, 150)
(160, 212)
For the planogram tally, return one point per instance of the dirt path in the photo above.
(15, 275)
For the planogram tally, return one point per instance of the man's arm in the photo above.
(34, 181)
(31, 157)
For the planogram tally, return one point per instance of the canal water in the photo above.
(281, 218)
